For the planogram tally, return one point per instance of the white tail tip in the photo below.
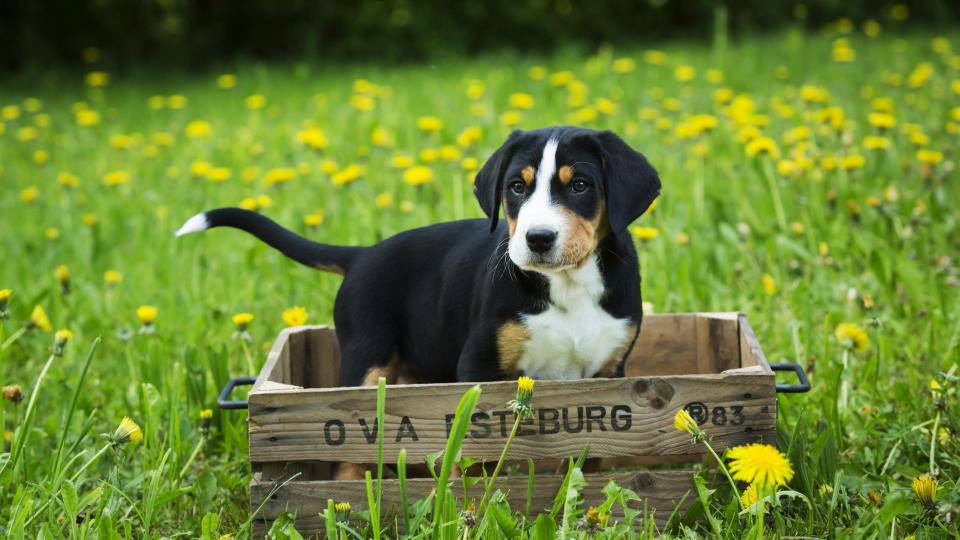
(195, 224)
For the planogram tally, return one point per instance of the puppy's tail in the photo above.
(325, 257)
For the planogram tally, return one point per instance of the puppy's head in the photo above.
(563, 189)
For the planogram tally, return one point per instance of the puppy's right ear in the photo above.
(488, 185)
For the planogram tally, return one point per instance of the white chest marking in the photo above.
(575, 337)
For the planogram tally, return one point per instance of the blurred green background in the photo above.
(192, 33)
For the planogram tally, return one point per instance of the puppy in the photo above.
(553, 292)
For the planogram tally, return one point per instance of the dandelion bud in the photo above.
(128, 431)
(522, 405)
(147, 315)
(60, 340)
(4, 298)
(242, 321)
(13, 393)
(343, 510)
(39, 319)
(925, 488)
(63, 276)
(206, 417)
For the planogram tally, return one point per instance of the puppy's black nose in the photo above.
(541, 240)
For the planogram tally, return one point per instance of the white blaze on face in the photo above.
(539, 212)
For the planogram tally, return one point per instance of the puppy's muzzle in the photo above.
(541, 240)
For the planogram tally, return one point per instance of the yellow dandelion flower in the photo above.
(763, 145)
(226, 81)
(147, 315)
(206, 414)
(522, 405)
(449, 152)
(684, 73)
(60, 339)
(684, 422)
(112, 277)
(219, 174)
(10, 112)
(762, 464)
(30, 194)
(381, 137)
(97, 79)
(87, 118)
(874, 142)
(929, 157)
(925, 488)
(342, 507)
(66, 179)
(295, 316)
(383, 200)
(279, 175)
(127, 432)
(470, 164)
(313, 137)
(116, 178)
(177, 101)
(313, 219)
(401, 161)
(537, 73)
(39, 319)
(852, 162)
(510, 118)
(430, 124)
(475, 90)
(242, 320)
(255, 102)
(682, 239)
(362, 103)
(645, 233)
(796, 228)
(349, 174)
(199, 129)
(53, 233)
(623, 65)
(521, 100)
(418, 175)
(769, 284)
(852, 337)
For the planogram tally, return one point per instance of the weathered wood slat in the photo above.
(662, 491)
(617, 417)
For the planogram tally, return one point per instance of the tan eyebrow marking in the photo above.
(527, 174)
(566, 174)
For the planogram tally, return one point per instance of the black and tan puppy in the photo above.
(553, 293)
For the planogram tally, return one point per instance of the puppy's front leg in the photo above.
(479, 359)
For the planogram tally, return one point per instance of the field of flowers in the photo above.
(809, 180)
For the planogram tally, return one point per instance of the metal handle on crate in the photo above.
(804, 385)
(223, 400)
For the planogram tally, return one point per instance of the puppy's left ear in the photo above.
(488, 184)
(632, 183)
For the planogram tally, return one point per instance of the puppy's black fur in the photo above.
(432, 300)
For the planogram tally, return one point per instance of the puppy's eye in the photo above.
(579, 185)
(518, 187)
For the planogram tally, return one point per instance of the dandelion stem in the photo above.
(73, 406)
(90, 461)
(193, 456)
(723, 468)
(933, 443)
(496, 471)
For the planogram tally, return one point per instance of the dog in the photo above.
(551, 292)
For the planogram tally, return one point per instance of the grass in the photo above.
(801, 241)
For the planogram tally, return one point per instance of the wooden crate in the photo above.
(709, 363)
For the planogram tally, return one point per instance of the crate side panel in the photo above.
(666, 346)
(661, 490)
(718, 342)
(616, 417)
